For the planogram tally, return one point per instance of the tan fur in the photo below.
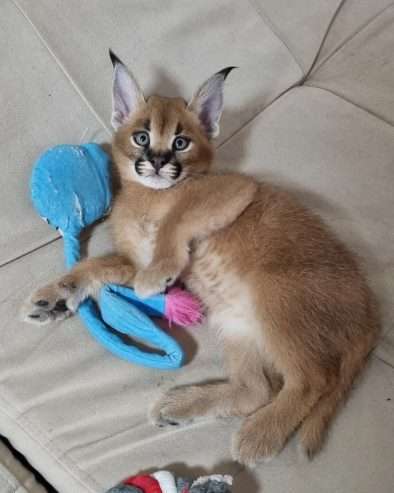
(293, 311)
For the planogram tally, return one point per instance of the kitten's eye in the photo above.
(141, 138)
(180, 143)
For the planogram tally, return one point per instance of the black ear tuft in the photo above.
(225, 71)
(114, 58)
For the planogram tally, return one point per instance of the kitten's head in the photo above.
(160, 141)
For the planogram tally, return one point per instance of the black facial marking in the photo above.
(176, 170)
(148, 154)
(167, 155)
(147, 125)
(178, 129)
(154, 157)
(138, 166)
(158, 160)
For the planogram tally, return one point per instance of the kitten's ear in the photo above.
(207, 103)
(126, 93)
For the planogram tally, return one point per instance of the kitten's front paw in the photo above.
(53, 302)
(156, 278)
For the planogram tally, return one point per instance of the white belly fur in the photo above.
(229, 300)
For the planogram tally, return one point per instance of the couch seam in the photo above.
(301, 84)
(382, 360)
(24, 254)
(256, 115)
(304, 77)
(353, 103)
(350, 37)
(324, 38)
(62, 68)
(275, 31)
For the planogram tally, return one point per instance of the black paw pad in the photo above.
(61, 306)
(42, 303)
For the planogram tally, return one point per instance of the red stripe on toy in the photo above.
(145, 482)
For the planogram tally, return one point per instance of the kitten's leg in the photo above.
(264, 433)
(246, 390)
(205, 206)
(61, 298)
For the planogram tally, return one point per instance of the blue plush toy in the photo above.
(71, 189)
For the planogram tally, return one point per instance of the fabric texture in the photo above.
(311, 107)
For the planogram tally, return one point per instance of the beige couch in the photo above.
(312, 107)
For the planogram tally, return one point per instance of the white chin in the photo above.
(154, 181)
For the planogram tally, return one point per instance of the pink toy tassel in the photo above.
(182, 308)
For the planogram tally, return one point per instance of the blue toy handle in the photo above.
(72, 250)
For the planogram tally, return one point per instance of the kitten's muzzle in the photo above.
(158, 162)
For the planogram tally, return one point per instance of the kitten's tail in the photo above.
(314, 428)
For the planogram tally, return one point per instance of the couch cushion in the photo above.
(41, 109)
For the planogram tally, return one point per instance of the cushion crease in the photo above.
(63, 68)
(347, 100)
(351, 36)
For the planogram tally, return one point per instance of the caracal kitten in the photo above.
(293, 311)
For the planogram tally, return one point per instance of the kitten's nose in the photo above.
(158, 162)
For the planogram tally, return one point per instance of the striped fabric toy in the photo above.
(165, 482)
